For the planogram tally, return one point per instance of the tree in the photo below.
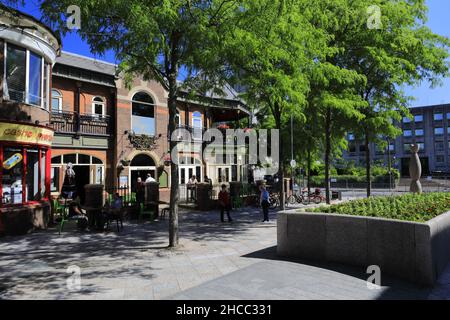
(339, 107)
(267, 54)
(333, 94)
(154, 39)
(400, 51)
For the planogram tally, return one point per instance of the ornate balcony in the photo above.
(80, 124)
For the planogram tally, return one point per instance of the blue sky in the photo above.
(438, 21)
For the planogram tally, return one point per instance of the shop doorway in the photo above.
(82, 178)
(141, 166)
(141, 173)
(189, 167)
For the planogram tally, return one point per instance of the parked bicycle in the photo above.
(274, 200)
(299, 197)
(306, 198)
(316, 196)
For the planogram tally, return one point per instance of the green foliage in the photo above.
(408, 207)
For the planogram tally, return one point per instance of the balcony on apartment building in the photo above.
(73, 123)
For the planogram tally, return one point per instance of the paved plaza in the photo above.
(215, 261)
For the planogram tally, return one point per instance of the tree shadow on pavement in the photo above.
(35, 265)
(394, 288)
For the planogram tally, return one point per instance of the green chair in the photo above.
(64, 217)
(57, 208)
(145, 212)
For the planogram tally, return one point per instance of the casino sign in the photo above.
(26, 134)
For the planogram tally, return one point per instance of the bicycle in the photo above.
(274, 200)
(316, 196)
(302, 198)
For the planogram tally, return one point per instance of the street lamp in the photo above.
(389, 165)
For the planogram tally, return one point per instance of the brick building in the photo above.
(83, 117)
(114, 133)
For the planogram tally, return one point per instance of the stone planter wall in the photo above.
(417, 252)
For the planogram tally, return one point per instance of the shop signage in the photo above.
(12, 161)
(25, 134)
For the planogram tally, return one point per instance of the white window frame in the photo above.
(27, 75)
(60, 100)
(102, 103)
(194, 119)
(150, 104)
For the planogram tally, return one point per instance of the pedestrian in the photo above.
(224, 203)
(192, 187)
(149, 178)
(264, 200)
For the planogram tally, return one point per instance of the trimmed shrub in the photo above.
(408, 207)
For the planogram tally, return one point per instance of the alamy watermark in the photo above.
(74, 19)
(374, 280)
(73, 282)
(223, 148)
(374, 19)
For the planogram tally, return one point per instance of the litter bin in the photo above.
(152, 196)
(204, 196)
(336, 195)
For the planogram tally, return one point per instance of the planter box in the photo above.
(418, 252)
(23, 219)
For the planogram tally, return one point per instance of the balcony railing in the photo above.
(80, 124)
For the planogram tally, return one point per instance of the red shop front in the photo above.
(25, 157)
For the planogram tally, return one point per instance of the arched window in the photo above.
(56, 101)
(197, 125)
(143, 114)
(164, 180)
(142, 160)
(98, 106)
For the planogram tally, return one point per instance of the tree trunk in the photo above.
(327, 155)
(309, 171)
(281, 162)
(174, 186)
(368, 167)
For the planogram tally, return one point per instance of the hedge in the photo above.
(408, 207)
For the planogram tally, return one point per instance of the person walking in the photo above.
(224, 203)
(264, 200)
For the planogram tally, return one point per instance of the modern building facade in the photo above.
(28, 50)
(429, 128)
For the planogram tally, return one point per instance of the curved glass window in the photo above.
(26, 77)
(143, 114)
(16, 61)
(35, 80)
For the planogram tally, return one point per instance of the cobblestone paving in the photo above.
(215, 261)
